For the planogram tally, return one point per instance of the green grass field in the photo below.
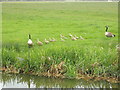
(95, 56)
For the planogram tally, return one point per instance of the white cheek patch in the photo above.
(106, 33)
(29, 41)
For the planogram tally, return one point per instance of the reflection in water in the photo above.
(29, 81)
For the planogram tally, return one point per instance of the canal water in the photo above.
(30, 81)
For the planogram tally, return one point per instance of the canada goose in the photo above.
(39, 42)
(81, 38)
(108, 34)
(46, 41)
(30, 43)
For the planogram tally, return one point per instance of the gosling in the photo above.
(39, 42)
(73, 38)
(46, 41)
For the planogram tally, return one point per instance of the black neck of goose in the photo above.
(106, 29)
(29, 36)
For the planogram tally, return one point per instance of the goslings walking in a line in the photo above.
(30, 43)
(108, 34)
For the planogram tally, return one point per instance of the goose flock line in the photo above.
(63, 38)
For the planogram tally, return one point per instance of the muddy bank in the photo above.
(59, 75)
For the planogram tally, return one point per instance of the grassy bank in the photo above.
(96, 55)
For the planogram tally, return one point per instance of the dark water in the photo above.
(29, 81)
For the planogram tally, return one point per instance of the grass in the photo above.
(95, 56)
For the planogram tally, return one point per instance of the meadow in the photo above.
(96, 55)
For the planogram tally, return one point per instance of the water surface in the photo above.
(30, 81)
